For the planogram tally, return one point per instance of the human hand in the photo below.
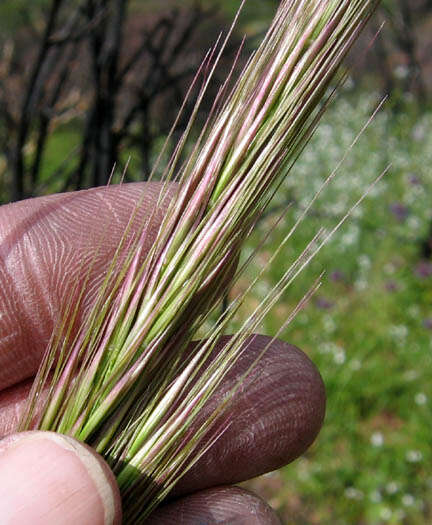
(275, 416)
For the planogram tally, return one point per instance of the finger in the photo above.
(49, 479)
(215, 506)
(274, 416)
(47, 245)
(12, 406)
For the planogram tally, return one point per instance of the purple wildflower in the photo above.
(391, 286)
(427, 323)
(400, 211)
(423, 269)
(337, 276)
(414, 180)
(324, 304)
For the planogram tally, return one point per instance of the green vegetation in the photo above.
(369, 327)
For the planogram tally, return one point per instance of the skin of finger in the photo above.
(49, 479)
(47, 246)
(275, 415)
(273, 418)
(216, 506)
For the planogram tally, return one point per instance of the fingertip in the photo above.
(47, 478)
(231, 505)
(274, 417)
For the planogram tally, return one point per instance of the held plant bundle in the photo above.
(126, 381)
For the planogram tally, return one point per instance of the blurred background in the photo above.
(91, 84)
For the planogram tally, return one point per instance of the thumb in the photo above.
(50, 479)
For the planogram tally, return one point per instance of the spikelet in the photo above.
(126, 383)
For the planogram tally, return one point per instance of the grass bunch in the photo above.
(127, 382)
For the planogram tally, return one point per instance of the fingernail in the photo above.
(48, 478)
